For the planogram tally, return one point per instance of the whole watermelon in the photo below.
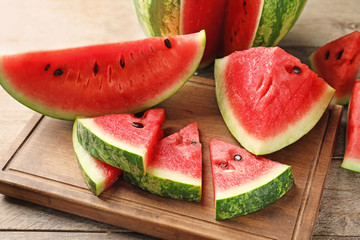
(230, 25)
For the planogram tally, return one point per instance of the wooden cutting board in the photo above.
(41, 168)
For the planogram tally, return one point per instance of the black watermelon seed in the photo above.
(193, 143)
(58, 72)
(137, 125)
(244, 4)
(297, 70)
(338, 56)
(237, 157)
(96, 68)
(167, 43)
(122, 63)
(223, 165)
(47, 67)
(327, 55)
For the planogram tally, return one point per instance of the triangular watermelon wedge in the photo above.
(338, 62)
(103, 79)
(176, 168)
(268, 98)
(98, 175)
(352, 152)
(122, 140)
(244, 183)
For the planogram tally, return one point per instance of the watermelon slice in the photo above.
(122, 140)
(229, 24)
(244, 183)
(338, 63)
(98, 175)
(352, 153)
(103, 79)
(176, 168)
(194, 16)
(268, 98)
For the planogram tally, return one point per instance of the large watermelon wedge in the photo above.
(338, 63)
(98, 175)
(103, 79)
(244, 183)
(352, 152)
(268, 98)
(176, 168)
(229, 24)
(122, 140)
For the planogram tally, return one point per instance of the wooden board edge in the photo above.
(304, 230)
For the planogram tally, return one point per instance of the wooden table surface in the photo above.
(51, 24)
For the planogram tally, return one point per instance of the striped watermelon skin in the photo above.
(176, 169)
(247, 183)
(230, 25)
(351, 159)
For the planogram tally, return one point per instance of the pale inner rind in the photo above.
(352, 164)
(109, 139)
(254, 184)
(174, 176)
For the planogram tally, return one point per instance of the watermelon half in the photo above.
(102, 79)
(229, 24)
(338, 63)
(268, 98)
(122, 140)
(352, 152)
(176, 168)
(98, 175)
(244, 183)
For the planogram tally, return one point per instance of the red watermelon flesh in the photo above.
(243, 182)
(102, 79)
(195, 16)
(240, 24)
(268, 98)
(98, 175)
(122, 140)
(352, 152)
(338, 63)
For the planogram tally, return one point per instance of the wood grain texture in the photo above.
(49, 24)
(44, 170)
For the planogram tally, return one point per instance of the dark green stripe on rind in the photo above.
(164, 187)
(255, 199)
(106, 152)
(277, 18)
(158, 17)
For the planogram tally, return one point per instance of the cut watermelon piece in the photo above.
(98, 175)
(194, 16)
(338, 63)
(268, 98)
(244, 183)
(122, 140)
(103, 79)
(176, 168)
(352, 152)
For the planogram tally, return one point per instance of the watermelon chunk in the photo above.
(98, 175)
(176, 168)
(103, 79)
(338, 63)
(352, 152)
(268, 98)
(244, 183)
(121, 140)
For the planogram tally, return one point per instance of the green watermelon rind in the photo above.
(260, 147)
(165, 186)
(255, 199)
(71, 115)
(351, 164)
(154, 23)
(277, 18)
(103, 148)
(91, 176)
